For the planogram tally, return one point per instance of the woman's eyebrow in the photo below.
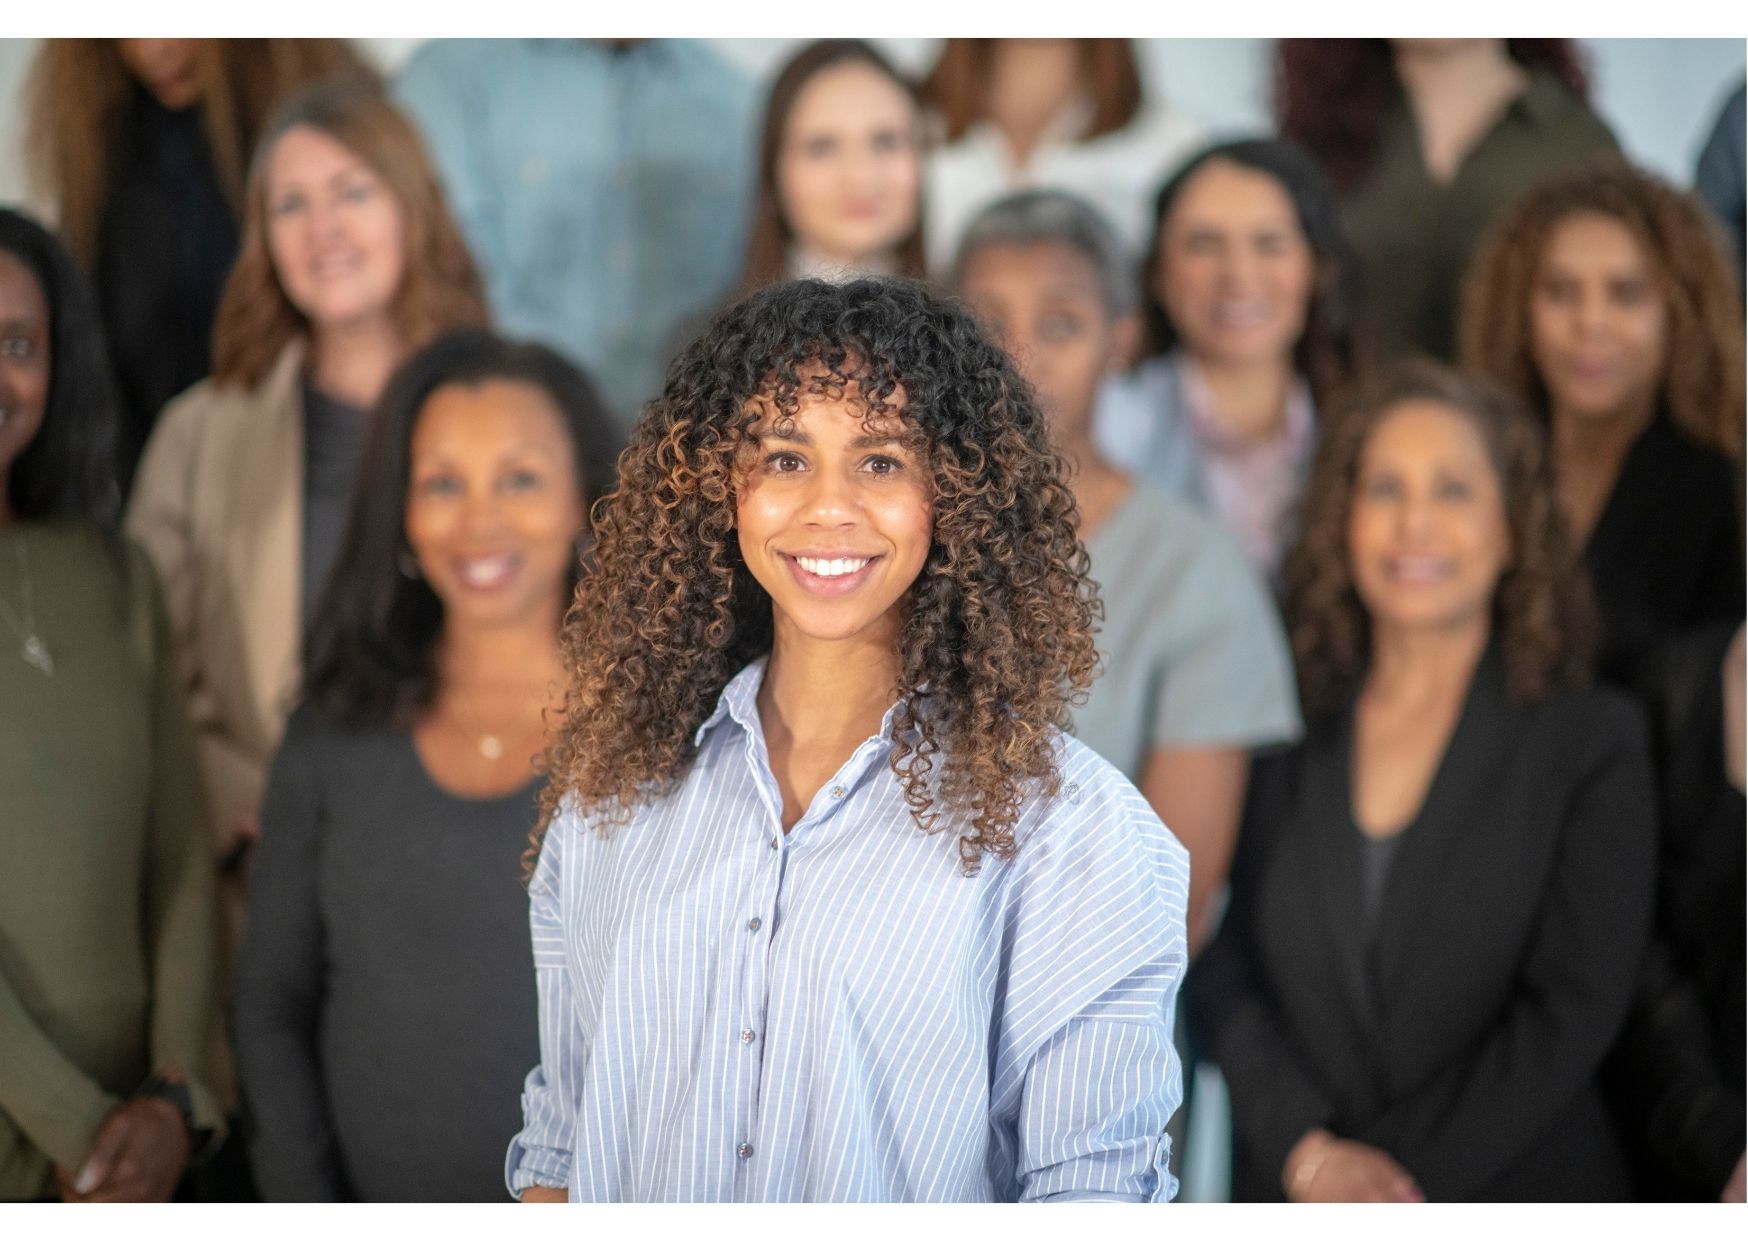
(874, 441)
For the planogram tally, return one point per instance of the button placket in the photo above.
(754, 932)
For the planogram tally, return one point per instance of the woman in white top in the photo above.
(840, 170)
(1064, 114)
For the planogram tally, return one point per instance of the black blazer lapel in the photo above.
(1332, 849)
(1451, 820)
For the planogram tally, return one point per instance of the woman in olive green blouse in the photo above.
(108, 929)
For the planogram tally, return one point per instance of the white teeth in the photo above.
(487, 572)
(830, 568)
(1418, 568)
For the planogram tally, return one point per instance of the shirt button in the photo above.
(754, 924)
(838, 790)
(743, 1150)
(775, 844)
(747, 1036)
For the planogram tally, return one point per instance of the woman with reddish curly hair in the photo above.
(1426, 141)
(826, 905)
(1605, 300)
(1441, 895)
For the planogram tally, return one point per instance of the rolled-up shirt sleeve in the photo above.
(540, 1154)
(1087, 1074)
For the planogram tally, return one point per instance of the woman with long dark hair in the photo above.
(1426, 141)
(1442, 895)
(385, 1000)
(109, 977)
(840, 170)
(1250, 296)
(142, 147)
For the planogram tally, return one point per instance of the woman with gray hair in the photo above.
(1196, 669)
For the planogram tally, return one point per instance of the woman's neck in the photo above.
(1457, 92)
(1098, 486)
(827, 694)
(352, 363)
(806, 260)
(486, 658)
(1587, 443)
(1422, 664)
(1030, 81)
(1250, 398)
(1452, 68)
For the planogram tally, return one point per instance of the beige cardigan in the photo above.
(218, 505)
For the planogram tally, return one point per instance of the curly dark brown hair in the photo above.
(1543, 615)
(1702, 389)
(996, 642)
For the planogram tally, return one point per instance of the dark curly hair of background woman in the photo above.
(996, 644)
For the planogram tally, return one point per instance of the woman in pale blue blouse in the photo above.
(1251, 325)
(826, 906)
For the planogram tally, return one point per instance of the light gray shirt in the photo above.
(1192, 648)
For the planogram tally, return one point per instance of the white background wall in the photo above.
(1660, 96)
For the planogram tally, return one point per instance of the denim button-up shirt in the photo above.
(604, 192)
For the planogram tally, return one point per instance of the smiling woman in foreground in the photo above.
(826, 906)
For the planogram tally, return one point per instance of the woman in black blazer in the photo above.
(1605, 300)
(1441, 896)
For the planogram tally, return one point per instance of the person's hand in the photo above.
(535, 1194)
(139, 1155)
(1733, 1189)
(1324, 1167)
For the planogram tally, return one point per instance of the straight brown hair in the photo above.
(440, 289)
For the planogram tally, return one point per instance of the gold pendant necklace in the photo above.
(34, 650)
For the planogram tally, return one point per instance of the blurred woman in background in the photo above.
(1605, 300)
(140, 147)
(1427, 141)
(109, 973)
(840, 170)
(1068, 114)
(1251, 324)
(1196, 670)
(385, 1002)
(1442, 895)
(349, 262)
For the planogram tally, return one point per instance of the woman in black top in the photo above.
(1441, 896)
(1605, 300)
(385, 1000)
(1677, 1074)
(142, 146)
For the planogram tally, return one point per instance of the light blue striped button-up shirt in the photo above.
(729, 1013)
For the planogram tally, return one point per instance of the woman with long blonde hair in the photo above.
(140, 148)
(349, 262)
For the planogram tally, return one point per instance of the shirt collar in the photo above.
(739, 700)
